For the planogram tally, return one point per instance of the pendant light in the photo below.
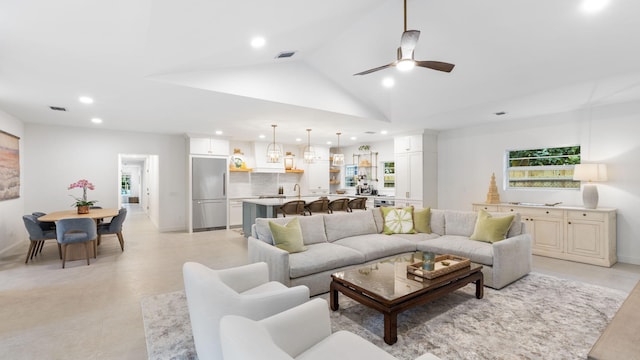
(309, 152)
(338, 159)
(274, 152)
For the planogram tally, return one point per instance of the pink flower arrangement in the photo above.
(84, 185)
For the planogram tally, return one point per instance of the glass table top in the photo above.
(390, 280)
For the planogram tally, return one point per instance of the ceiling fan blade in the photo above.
(436, 65)
(408, 43)
(376, 69)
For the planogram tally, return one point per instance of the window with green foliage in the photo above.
(545, 168)
(125, 184)
(389, 169)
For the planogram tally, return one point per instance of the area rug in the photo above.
(537, 317)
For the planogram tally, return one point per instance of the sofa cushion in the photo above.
(477, 251)
(491, 229)
(312, 228)
(417, 237)
(322, 257)
(437, 221)
(376, 246)
(338, 226)
(422, 220)
(398, 220)
(459, 222)
(377, 217)
(288, 237)
(516, 225)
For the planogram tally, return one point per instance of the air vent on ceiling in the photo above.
(370, 132)
(57, 108)
(500, 113)
(285, 54)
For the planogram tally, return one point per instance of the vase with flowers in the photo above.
(82, 204)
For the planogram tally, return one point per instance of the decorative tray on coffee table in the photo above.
(444, 264)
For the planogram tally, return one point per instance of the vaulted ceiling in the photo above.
(187, 67)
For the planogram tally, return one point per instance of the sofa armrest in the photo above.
(261, 305)
(300, 328)
(245, 277)
(276, 259)
(511, 259)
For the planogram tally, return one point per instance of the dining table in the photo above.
(77, 251)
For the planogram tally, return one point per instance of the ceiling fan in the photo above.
(405, 60)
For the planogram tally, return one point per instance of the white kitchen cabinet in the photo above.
(235, 213)
(416, 170)
(408, 177)
(208, 146)
(408, 143)
(583, 235)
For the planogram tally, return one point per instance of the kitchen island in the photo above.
(268, 208)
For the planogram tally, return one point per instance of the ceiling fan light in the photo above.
(406, 64)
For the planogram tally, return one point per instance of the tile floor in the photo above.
(93, 312)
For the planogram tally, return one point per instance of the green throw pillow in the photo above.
(397, 221)
(491, 229)
(422, 220)
(288, 237)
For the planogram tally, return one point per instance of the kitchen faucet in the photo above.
(298, 187)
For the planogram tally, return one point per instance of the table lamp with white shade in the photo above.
(589, 173)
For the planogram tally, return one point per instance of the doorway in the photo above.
(137, 184)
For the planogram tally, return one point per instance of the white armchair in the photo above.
(303, 332)
(244, 290)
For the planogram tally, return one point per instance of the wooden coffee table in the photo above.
(387, 287)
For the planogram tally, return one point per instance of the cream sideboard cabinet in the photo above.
(569, 233)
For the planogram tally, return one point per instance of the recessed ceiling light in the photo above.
(258, 42)
(328, 142)
(593, 6)
(85, 100)
(384, 132)
(353, 138)
(261, 136)
(388, 82)
(218, 132)
(96, 121)
(298, 139)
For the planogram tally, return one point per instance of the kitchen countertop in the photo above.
(307, 198)
(280, 201)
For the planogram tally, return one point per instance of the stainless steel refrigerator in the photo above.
(209, 193)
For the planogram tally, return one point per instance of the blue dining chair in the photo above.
(37, 236)
(72, 231)
(45, 226)
(113, 227)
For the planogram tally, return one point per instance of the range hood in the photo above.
(262, 166)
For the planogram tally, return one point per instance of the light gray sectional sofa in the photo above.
(338, 241)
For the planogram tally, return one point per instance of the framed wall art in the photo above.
(9, 166)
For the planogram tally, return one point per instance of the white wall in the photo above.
(54, 157)
(468, 157)
(12, 231)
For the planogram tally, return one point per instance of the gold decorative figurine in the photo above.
(493, 197)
